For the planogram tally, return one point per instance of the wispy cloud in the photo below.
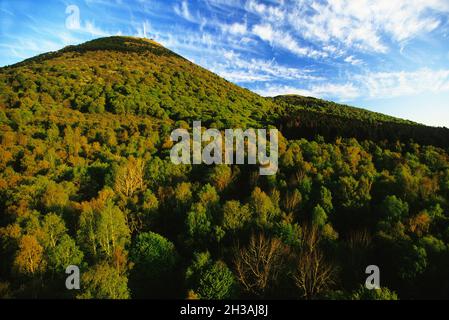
(235, 28)
(372, 86)
(91, 28)
(396, 84)
(354, 61)
(362, 23)
(235, 68)
(284, 40)
(269, 13)
(183, 11)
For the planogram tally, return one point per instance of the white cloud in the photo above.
(398, 84)
(265, 32)
(352, 60)
(372, 86)
(237, 69)
(183, 11)
(333, 50)
(284, 40)
(267, 12)
(363, 23)
(90, 27)
(234, 28)
(144, 31)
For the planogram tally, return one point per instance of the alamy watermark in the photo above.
(234, 145)
(72, 22)
(73, 280)
(373, 280)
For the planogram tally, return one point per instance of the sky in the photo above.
(389, 56)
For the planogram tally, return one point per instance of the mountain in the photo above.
(125, 75)
(86, 180)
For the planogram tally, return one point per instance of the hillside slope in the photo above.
(307, 117)
(126, 75)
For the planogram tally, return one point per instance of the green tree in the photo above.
(103, 282)
(210, 280)
(221, 177)
(412, 261)
(326, 199)
(262, 206)
(235, 215)
(199, 223)
(383, 293)
(394, 209)
(102, 230)
(65, 253)
(319, 216)
(53, 228)
(155, 260)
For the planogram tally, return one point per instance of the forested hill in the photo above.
(126, 75)
(308, 117)
(86, 179)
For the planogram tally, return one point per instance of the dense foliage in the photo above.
(86, 179)
(307, 117)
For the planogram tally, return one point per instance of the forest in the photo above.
(86, 179)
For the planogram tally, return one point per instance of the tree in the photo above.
(420, 223)
(29, 258)
(292, 200)
(199, 223)
(326, 199)
(65, 253)
(55, 197)
(262, 206)
(208, 279)
(356, 250)
(112, 230)
(129, 177)
(183, 194)
(394, 209)
(221, 176)
(319, 216)
(313, 274)
(150, 205)
(102, 229)
(155, 260)
(354, 193)
(235, 215)
(412, 261)
(53, 228)
(208, 196)
(259, 265)
(362, 293)
(103, 282)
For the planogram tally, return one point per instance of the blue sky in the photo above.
(390, 56)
